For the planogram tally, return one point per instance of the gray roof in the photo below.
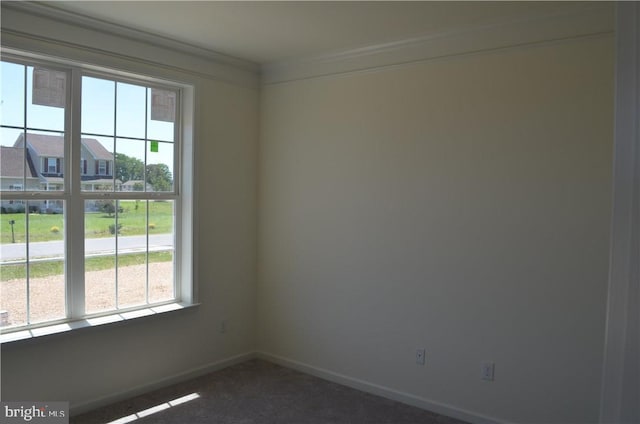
(53, 146)
(97, 149)
(12, 163)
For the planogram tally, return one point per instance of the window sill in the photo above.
(20, 336)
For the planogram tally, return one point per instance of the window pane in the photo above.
(41, 277)
(12, 100)
(132, 254)
(129, 167)
(161, 114)
(100, 258)
(46, 97)
(44, 161)
(130, 113)
(8, 136)
(41, 162)
(160, 166)
(98, 152)
(161, 250)
(46, 262)
(12, 162)
(98, 106)
(13, 269)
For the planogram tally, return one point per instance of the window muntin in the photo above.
(157, 210)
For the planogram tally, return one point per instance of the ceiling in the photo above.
(265, 32)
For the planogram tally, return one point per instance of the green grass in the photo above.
(45, 269)
(133, 221)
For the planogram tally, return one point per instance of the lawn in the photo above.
(46, 268)
(132, 221)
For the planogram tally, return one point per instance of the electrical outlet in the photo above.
(223, 326)
(487, 371)
(420, 356)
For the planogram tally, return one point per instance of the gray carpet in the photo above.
(259, 392)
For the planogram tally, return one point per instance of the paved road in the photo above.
(52, 249)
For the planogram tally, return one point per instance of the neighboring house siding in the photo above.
(8, 183)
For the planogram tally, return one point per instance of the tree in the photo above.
(128, 168)
(106, 206)
(159, 176)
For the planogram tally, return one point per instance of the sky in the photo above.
(101, 114)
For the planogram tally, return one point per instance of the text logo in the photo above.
(34, 412)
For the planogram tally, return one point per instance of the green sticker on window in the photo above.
(154, 146)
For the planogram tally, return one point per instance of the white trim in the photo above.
(82, 407)
(38, 331)
(51, 11)
(187, 242)
(47, 31)
(75, 243)
(620, 401)
(386, 392)
(596, 20)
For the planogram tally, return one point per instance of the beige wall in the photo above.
(457, 205)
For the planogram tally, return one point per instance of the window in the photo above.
(15, 187)
(102, 167)
(52, 166)
(137, 240)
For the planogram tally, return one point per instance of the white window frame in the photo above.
(184, 287)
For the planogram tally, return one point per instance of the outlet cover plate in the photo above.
(487, 371)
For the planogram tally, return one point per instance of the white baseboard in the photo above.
(365, 386)
(82, 407)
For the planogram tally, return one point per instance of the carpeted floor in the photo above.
(259, 392)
